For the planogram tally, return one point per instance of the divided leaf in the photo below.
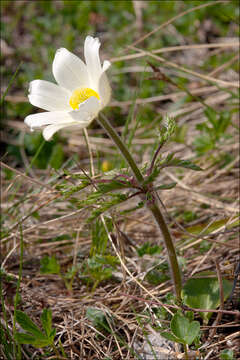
(166, 186)
(34, 335)
(184, 163)
(22, 338)
(46, 319)
(28, 325)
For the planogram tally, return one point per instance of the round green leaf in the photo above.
(183, 329)
(203, 293)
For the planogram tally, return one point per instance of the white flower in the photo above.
(82, 91)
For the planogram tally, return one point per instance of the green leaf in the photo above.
(170, 337)
(226, 354)
(28, 325)
(115, 200)
(96, 270)
(158, 274)
(152, 176)
(185, 164)
(185, 330)
(166, 186)
(57, 156)
(149, 249)
(203, 293)
(180, 134)
(46, 319)
(52, 334)
(108, 260)
(203, 143)
(97, 317)
(113, 185)
(211, 114)
(22, 338)
(49, 265)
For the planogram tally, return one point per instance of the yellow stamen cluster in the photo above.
(80, 95)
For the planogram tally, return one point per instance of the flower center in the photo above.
(80, 95)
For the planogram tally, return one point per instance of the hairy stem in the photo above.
(120, 145)
(176, 275)
(152, 205)
(185, 351)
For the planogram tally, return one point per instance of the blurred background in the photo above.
(32, 31)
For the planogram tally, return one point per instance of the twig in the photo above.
(188, 71)
(236, 273)
(234, 335)
(27, 177)
(169, 49)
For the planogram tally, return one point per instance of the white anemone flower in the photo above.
(82, 90)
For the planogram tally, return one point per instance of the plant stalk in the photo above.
(121, 146)
(151, 205)
(176, 275)
(185, 351)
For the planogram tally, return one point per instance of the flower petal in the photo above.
(91, 53)
(104, 88)
(86, 112)
(106, 65)
(50, 130)
(47, 118)
(69, 71)
(48, 96)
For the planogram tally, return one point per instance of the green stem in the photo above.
(120, 145)
(16, 299)
(152, 206)
(176, 275)
(56, 351)
(185, 351)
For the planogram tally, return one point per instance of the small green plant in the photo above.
(149, 249)
(158, 274)
(183, 331)
(50, 265)
(98, 268)
(33, 335)
(212, 131)
(98, 318)
(100, 264)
